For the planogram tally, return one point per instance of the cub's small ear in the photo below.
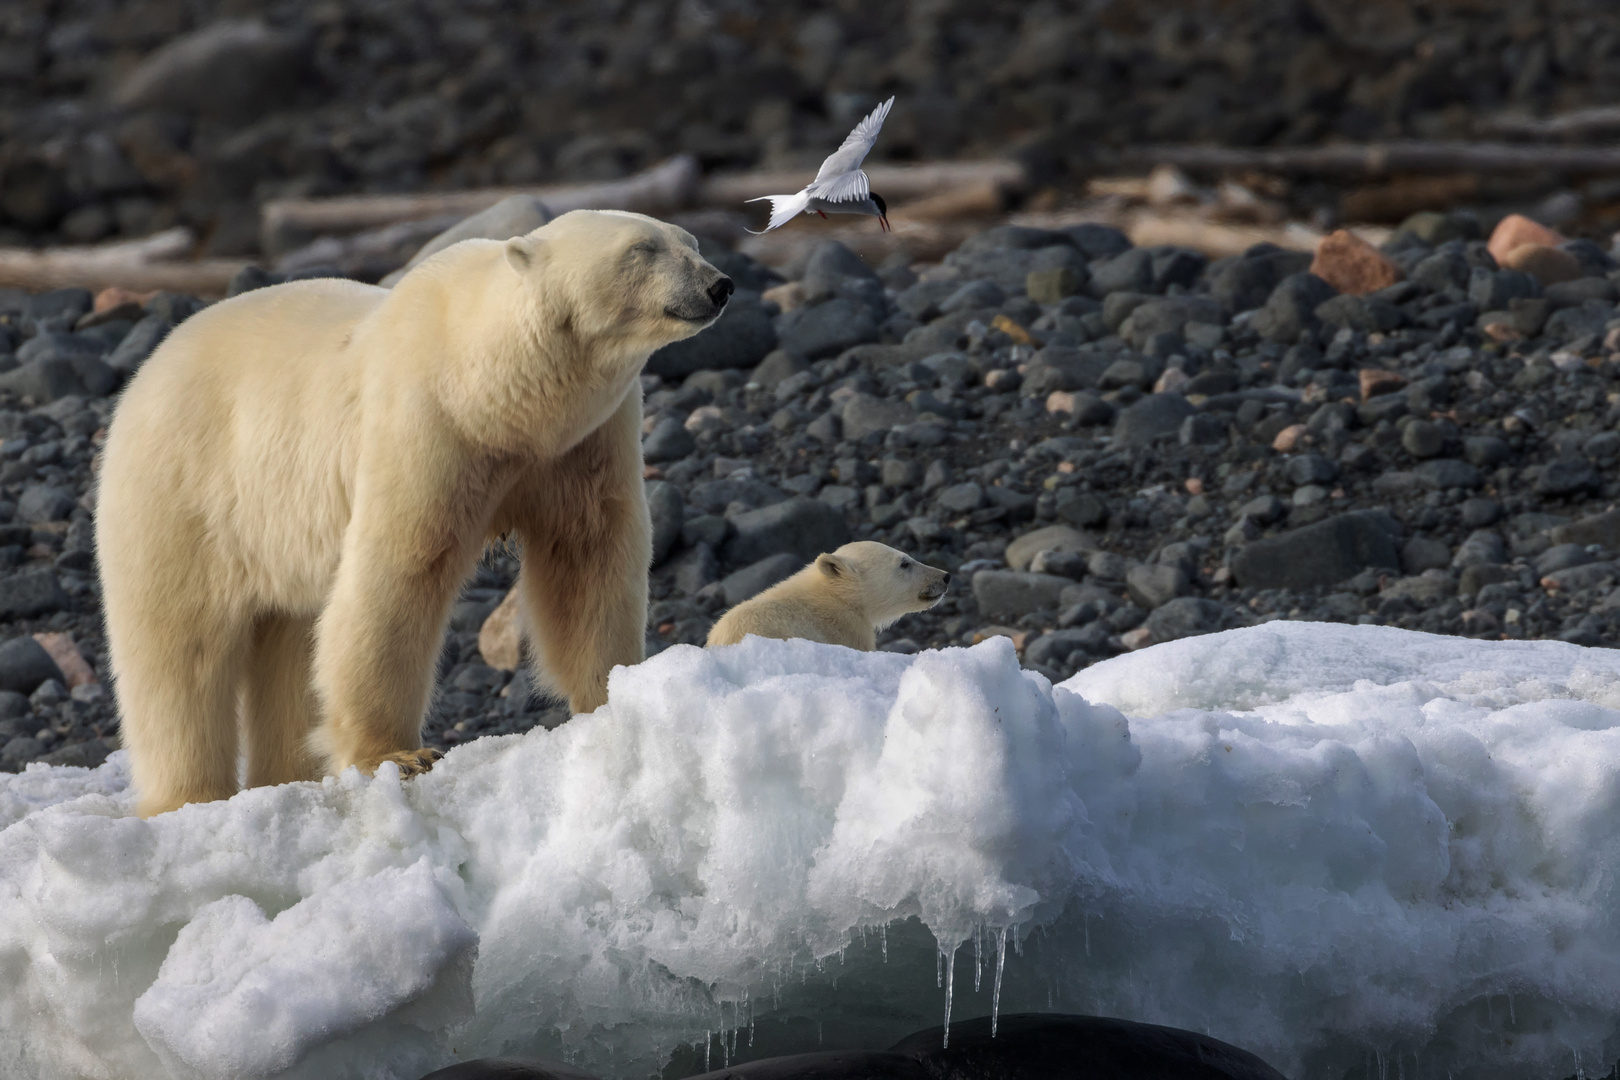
(832, 566)
(523, 252)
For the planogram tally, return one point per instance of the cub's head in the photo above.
(886, 583)
(620, 278)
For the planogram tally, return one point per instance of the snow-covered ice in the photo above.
(1343, 848)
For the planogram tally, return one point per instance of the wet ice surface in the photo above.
(1343, 848)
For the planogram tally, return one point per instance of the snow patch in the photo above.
(1339, 847)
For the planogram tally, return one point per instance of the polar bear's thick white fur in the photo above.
(843, 598)
(299, 480)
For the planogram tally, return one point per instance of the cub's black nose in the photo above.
(720, 290)
(947, 580)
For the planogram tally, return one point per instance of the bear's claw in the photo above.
(410, 762)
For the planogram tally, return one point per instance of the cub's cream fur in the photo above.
(843, 598)
(297, 482)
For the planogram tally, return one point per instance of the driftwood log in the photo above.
(1379, 159)
(1597, 120)
(155, 262)
(289, 223)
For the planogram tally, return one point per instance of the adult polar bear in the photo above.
(298, 481)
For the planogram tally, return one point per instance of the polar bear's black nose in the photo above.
(946, 580)
(720, 290)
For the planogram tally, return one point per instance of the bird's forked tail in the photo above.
(784, 208)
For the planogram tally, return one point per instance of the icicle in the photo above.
(939, 967)
(885, 943)
(950, 980)
(995, 995)
(978, 957)
(840, 956)
(708, 1040)
(1580, 1073)
(1400, 1066)
(750, 1019)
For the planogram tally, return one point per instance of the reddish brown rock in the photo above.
(1288, 438)
(1375, 381)
(1548, 264)
(1516, 230)
(76, 670)
(1351, 265)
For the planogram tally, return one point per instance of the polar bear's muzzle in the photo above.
(706, 306)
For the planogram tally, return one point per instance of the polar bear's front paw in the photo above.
(410, 762)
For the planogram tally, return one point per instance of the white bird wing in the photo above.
(784, 208)
(841, 178)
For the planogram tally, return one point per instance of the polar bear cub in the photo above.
(299, 480)
(843, 598)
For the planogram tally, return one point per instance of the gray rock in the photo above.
(1247, 282)
(1601, 529)
(230, 70)
(1578, 578)
(1128, 271)
(1493, 290)
(1441, 474)
(515, 215)
(1080, 507)
(1095, 241)
(1479, 511)
(1311, 469)
(1012, 593)
(58, 345)
(1564, 476)
(1069, 564)
(667, 441)
(739, 339)
(1422, 553)
(667, 507)
(41, 503)
(1152, 417)
(1486, 451)
(815, 333)
(1170, 315)
(1107, 565)
(829, 266)
(840, 497)
(1562, 557)
(961, 498)
(24, 664)
(1482, 548)
(1423, 439)
(755, 578)
(973, 295)
(84, 755)
(47, 380)
(866, 413)
(1152, 586)
(20, 751)
(777, 366)
(1185, 616)
(1054, 648)
(1059, 368)
(802, 527)
(1022, 551)
(138, 344)
(1324, 553)
(1291, 308)
(55, 310)
(695, 568)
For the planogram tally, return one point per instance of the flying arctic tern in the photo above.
(840, 187)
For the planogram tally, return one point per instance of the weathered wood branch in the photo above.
(1596, 120)
(1379, 159)
(667, 186)
(155, 262)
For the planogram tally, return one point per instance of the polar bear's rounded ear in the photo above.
(523, 252)
(832, 566)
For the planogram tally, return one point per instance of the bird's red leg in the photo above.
(823, 216)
